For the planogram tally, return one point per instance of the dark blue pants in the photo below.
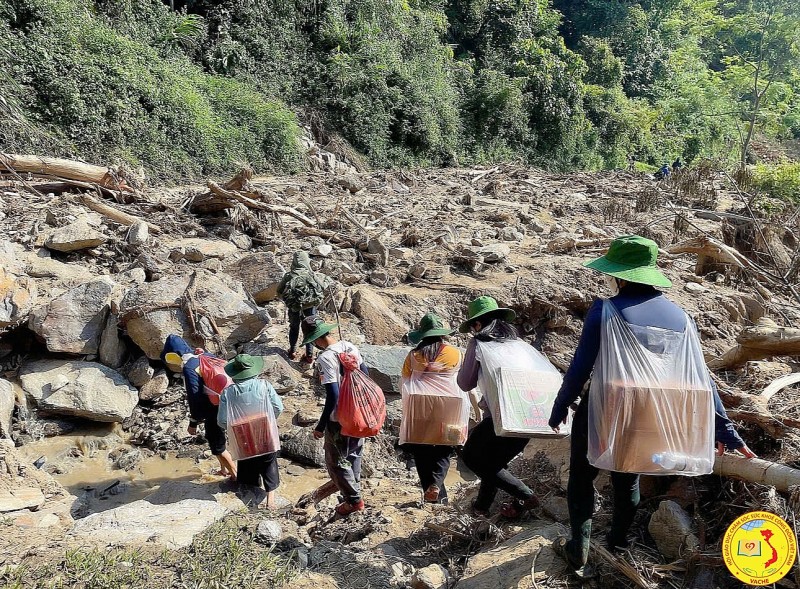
(295, 319)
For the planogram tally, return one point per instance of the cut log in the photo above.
(319, 494)
(114, 214)
(758, 342)
(755, 470)
(565, 244)
(707, 248)
(66, 169)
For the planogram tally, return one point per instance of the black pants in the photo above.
(252, 471)
(432, 464)
(215, 436)
(488, 455)
(580, 494)
(295, 319)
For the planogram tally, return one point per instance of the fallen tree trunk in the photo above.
(565, 244)
(114, 214)
(755, 470)
(66, 169)
(758, 342)
(707, 248)
(218, 198)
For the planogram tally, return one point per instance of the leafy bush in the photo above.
(779, 181)
(103, 96)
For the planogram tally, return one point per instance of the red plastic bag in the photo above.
(361, 410)
(215, 379)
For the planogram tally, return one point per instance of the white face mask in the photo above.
(613, 285)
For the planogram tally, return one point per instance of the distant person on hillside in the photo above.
(663, 173)
(342, 453)
(677, 165)
(179, 358)
(248, 413)
(302, 290)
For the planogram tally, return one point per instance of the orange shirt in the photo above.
(449, 358)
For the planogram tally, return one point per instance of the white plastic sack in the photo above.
(252, 429)
(519, 385)
(435, 409)
(651, 405)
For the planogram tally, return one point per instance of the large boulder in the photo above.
(76, 236)
(74, 321)
(153, 310)
(195, 249)
(17, 291)
(509, 564)
(169, 518)
(382, 326)
(112, 349)
(260, 274)
(7, 401)
(276, 369)
(298, 444)
(81, 389)
(385, 365)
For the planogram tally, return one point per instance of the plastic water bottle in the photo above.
(680, 462)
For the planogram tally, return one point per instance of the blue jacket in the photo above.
(646, 307)
(248, 392)
(200, 407)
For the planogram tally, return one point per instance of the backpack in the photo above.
(361, 410)
(215, 379)
(303, 291)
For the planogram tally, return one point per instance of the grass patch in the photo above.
(779, 181)
(224, 556)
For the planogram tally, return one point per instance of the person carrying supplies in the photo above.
(302, 290)
(435, 410)
(652, 406)
(248, 412)
(486, 453)
(342, 452)
(179, 358)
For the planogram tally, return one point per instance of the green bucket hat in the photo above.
(632, 258)
(429, 326)
(314, 328)
(244, 366)
(483, 306)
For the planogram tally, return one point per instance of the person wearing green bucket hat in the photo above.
(632, 274)
(248, 412)
(435, 410)
(342, 453)
(485, 453)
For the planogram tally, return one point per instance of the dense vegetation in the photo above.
(188, 89)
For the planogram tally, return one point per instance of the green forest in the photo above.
(186, 90)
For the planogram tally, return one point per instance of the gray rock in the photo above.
(276, 369)
(394, 416)
(169, 518)
(557, 508)
(381, 325)
(385, 365)
(195, 249)
(434, 576)
(17, 291)
(74, 322)
(155, 387)
(269, 532)
(260, 274)
(495, 252)
(140, 372)
(7, 401)
(376, 247)
(323, 250)
(298, 444)
(138, 233)
(112, 350)
(401, 253)
(351, 183)
(159, 312)
(510, 234)
(82, 389)
(694, 288)
(671, 528)
(75, 236)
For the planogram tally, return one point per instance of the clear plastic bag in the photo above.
(520, 386)
(651, 405)
(435, 409)
(251, 425)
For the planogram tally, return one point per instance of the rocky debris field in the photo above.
(91, 283)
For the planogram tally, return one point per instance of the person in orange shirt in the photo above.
(430, 370)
